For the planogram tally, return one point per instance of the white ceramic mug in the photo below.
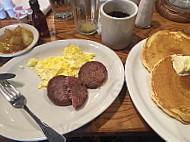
(117, 32)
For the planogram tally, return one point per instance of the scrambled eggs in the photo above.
(69, 64)
(181, 64)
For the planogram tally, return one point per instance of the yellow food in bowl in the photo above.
(69, 64)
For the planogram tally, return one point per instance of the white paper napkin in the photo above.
(45, 5)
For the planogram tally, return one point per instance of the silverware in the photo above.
(4, 76)
(19, 101)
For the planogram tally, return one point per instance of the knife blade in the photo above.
(4, 76)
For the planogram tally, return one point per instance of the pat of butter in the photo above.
(181, 64)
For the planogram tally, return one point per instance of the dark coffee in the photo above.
(118, 14)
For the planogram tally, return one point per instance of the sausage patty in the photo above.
(57, 91)
(92, 74)
(76, 91)
(66, 90)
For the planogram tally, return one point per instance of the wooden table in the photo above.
(121, 118)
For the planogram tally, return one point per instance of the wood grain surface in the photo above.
(121, 118)
(174, 14)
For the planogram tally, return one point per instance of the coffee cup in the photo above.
(117, 23)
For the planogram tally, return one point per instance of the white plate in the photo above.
(27, 26)
(138, 83)
(16, 124)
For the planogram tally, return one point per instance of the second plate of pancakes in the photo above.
(138, 83)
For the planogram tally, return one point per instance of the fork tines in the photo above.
(8, 90)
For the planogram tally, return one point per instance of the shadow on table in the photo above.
(116, 139)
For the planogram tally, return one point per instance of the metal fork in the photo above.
(19, 101)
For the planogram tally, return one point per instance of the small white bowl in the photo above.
(27, 49)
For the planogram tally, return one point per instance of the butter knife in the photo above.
(4, 76)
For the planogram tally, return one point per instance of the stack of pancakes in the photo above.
(169, 91)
